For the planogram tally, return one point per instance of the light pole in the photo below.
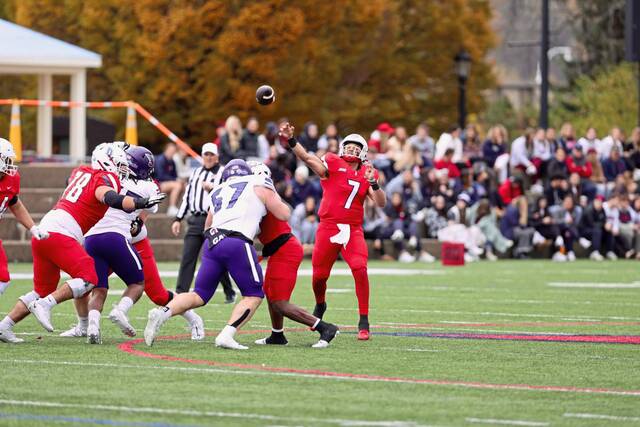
(463, 67)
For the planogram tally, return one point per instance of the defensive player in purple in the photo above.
(237, 207)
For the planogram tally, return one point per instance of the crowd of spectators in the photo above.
(543, 190)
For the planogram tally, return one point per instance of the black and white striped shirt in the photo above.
(196, 199)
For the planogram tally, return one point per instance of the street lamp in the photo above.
(463, 66)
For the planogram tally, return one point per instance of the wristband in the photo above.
(292, 142)
(374, 185)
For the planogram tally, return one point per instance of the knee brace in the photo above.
(79, 287)
(29, 298)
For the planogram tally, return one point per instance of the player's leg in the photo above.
(323, 257)
(158, 293)
(241, 261)
(356, 256)
(82, 311)
(96, 246)
(206, 283)
(69, 256)
(45, 279)
(4, 270)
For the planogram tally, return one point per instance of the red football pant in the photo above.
(4, 265)
(355, 255)
(153, 286)
(282, 271)
(59, 252)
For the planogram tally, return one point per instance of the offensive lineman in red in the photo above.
(346, 179)
(9, 190)
(285, 255)
(90, 192)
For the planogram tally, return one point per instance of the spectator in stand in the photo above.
(423, 142)
(494, 148)
(183, 165)
(446, 162)
(304, 223)
(309, 137)
(411, 157)
(589, 140)
(379, 138)
(578, 164)
(613, 140)
(471, 145)
(552, 137)
(333, 145)
(567, 216)
(406, 185)
(331, 132)
(612, 225)
(567, 137)
(514, 226)
(374, 227)
(230, 141)
(632, 153)
(541, 152)
(636, 208)
(597, 175)
(557, 190)
(436, 216)
(397, 213)
(591, 229)
(510, 190)
(521, 157)
(447, 188)
(249, 141)
(558, 165)
(450, 140)
(486, 220)
(395, 145)
(613, 165)
(461, 230)
(428, 185)
(628, 226)
(302, 187)
(542, 221)
(268, 139)
(167, 175)
(220, 130)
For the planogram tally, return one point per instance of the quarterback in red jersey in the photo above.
(91, 190)
(9, 190)
(346, 179)
(285, 255)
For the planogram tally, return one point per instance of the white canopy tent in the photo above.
(24, 51)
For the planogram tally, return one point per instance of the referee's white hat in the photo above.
(210, 147)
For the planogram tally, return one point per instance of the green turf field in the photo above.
(404, 376)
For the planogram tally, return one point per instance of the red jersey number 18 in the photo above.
(354, 191)
(75, 187)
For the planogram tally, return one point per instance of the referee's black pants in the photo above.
(193, 241)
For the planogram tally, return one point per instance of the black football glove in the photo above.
(136, 226)
(149, 202)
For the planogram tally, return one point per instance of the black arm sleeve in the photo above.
(114, 200)
(13, 200)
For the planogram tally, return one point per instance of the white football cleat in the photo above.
(426, 257)
(229, 342)
(406, 257)
(153, 326)
(321, 344)
(76, 332)
(197, 329)
(42, 313)
(7, 335)
(571, 256)
(93, 334)
(120, 319)
(596, 256)
(261, 341)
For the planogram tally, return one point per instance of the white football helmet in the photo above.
(111, 158)
(354, 138)
(7, 156)
(259, 168)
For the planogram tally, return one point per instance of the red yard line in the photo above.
(129, 347)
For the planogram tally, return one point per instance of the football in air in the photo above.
(265, 95)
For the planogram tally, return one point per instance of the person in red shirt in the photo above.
(91, 190)
(577, 163)
(446, 163)
(9, 190)
(346, 180)
(510, 190)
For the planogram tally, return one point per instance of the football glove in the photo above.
(136, 226)
(38, 234)
(149, 202)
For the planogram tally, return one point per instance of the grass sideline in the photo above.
(50, 380)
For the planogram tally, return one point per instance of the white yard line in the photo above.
(594, 285)
(601, 417)
(208, 414)
(506, 422)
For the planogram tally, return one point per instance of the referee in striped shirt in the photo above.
(195, 202)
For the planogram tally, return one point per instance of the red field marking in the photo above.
(594, 339)
(129, 347)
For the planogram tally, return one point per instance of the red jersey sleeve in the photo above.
(103, 178)
(331, 161)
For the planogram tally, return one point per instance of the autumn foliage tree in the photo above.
(194, 62)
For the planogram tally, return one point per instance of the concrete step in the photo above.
(40, 200)
(44, 175)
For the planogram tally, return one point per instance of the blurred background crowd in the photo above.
(542, 193)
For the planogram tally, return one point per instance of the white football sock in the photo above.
(315, 324)
(3, 287)
(190, 316)
(49, 301)
(228, 331)
(277, 331)
(125, 304)
(94, 316)
(7, 323)
(83, 322)
(165, 313)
